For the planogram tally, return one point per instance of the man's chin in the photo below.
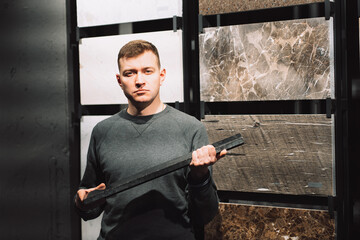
(142, 100)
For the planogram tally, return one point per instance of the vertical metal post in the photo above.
(191, 57)
(346, 35)
(74, 109)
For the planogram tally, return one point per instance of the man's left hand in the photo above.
(202, 158)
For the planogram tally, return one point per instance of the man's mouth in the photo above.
(141, 91)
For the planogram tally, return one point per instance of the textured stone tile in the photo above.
(289, 154)
(243, 222)
(209, 7)
(267, 61)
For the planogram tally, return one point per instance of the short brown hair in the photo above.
(135, 48)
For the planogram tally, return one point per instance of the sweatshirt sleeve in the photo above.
(92, 177)
(203, 198)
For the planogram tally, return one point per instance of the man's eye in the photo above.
(148, 71)
(128, 74)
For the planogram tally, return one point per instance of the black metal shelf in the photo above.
(110, 109)
(321, 106)
(278, 200)
(227, 108)
(236, 107)
(164, 24)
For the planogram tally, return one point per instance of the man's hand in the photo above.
(83, 193)
(202, 158)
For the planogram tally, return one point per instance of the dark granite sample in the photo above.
(287, 60)
(243, 222)
(290, 154)
(209, 7)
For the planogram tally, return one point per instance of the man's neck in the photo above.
(145, 109)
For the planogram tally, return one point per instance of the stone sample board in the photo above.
(243, 222)
(98, 66)
(104, 12)
(287, 60)
(289, 154)
(210, 7)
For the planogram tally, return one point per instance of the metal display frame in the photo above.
(346, 63)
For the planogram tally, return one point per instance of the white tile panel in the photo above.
(90, 229)
(104, 12)
(98, 66)
(87, 123)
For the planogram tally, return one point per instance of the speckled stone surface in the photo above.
(209, 7)
(287, 60)
(244, 222)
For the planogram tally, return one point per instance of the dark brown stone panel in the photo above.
(244, 222)
(209, 7)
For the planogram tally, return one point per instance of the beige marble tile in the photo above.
(267, 61)
(209, 7)
(243, 222)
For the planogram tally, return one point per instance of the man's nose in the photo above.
(139, 80)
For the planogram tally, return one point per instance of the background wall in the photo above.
(35, 166)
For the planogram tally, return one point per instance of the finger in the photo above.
(222, 154)
(198, 157)
(81, 194)
(101, 186)
(212, 153)
(206, 155)
(209, 155)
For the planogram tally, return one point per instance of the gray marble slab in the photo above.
(287, 60)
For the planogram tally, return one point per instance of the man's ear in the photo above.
(162, 76)
(118, 79)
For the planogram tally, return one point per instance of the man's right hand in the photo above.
(83, 193)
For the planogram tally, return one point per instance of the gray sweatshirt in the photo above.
(164, 208)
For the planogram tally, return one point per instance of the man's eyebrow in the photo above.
(148, 68)
(129, 69)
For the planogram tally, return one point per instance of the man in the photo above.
(144, 135)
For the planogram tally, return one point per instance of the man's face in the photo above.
(140, 77)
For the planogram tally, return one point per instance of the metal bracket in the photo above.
(218, 20)
(74, 43)
(175, 23)
(77, 34)
(329, 107)
(328, 9)
(201, 24)
(76, 116)
(332, 206)
(202, 109)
